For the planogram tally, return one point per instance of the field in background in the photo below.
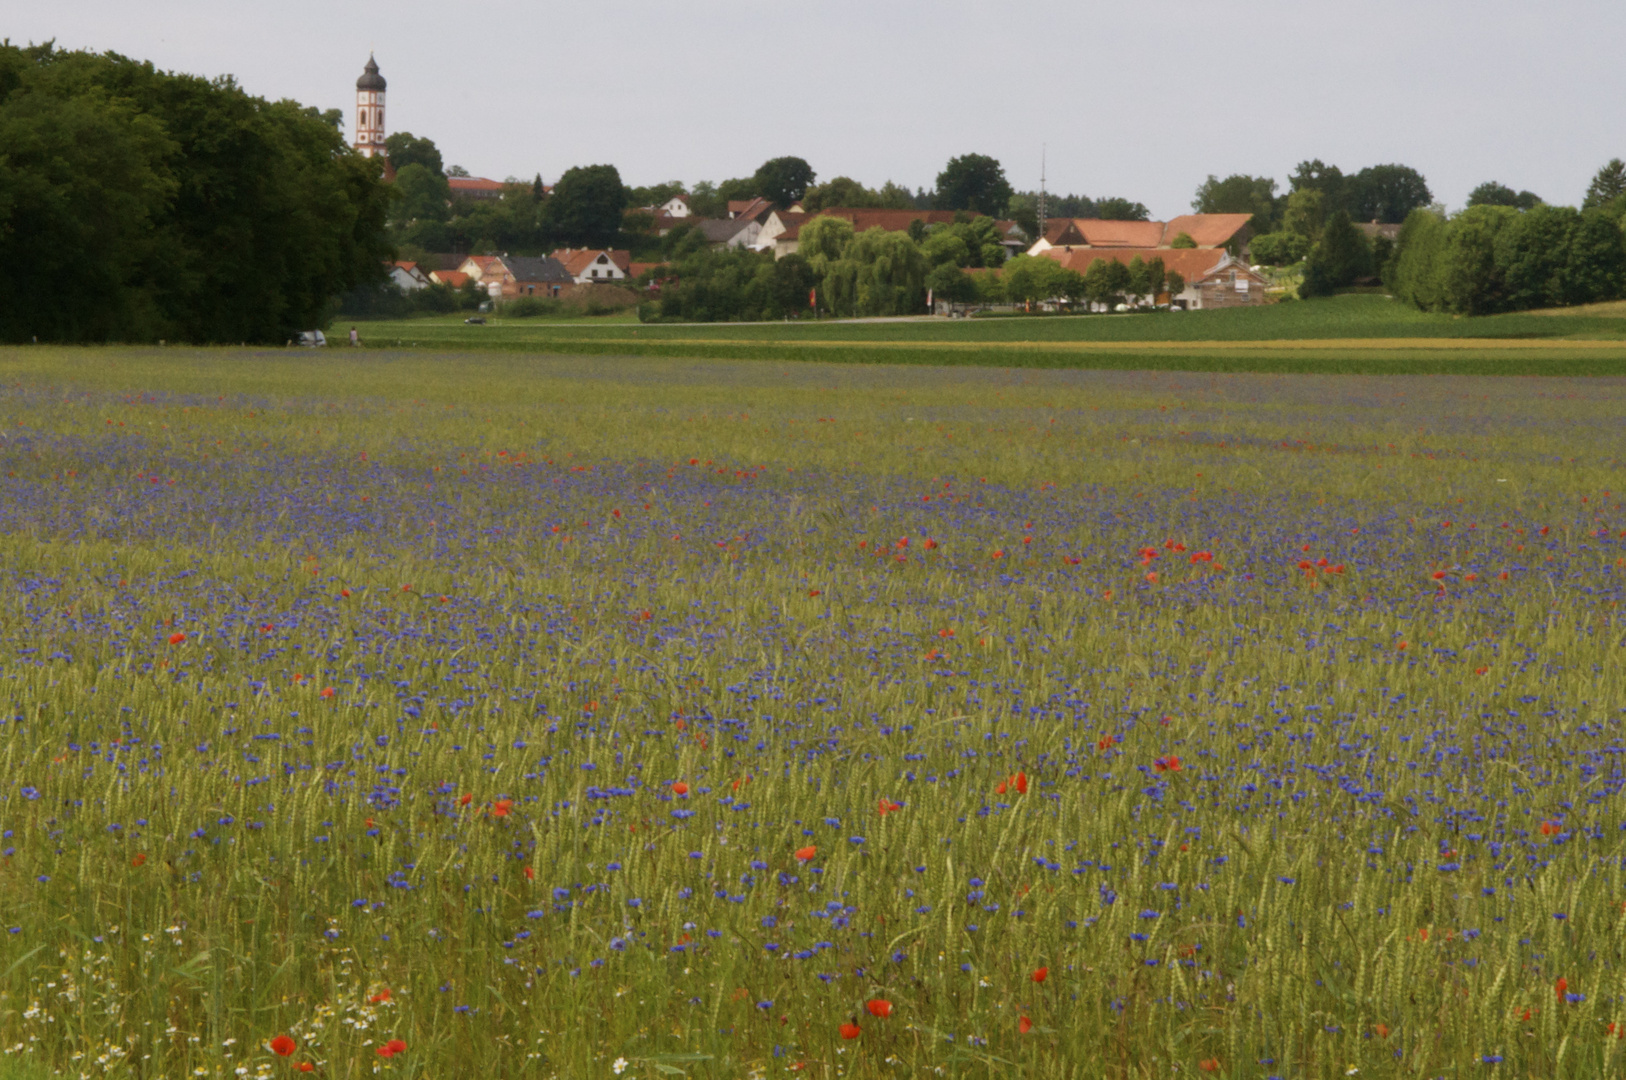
(1349, 335)
(572, 716)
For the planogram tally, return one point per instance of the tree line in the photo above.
(1507, 251)
(834, 271)
(139, 205)
(1494, 258)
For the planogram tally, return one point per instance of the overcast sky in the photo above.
(1141, 100)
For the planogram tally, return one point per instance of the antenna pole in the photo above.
(1043, 149)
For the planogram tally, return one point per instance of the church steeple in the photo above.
(370, 110)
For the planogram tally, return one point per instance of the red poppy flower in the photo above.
(1105, 741)
(282, 1046)
(140, 859)
(1167, 764)
(344, 592)
(1021, 783)
(880, 1008)
(1561, 987)
(1382, 1030)
(1209, 1065)
(464, 800)
(680, 788)
(305, 1066)
(1024, 1025)
(530, 873)
(804, 854)
(849, 1030)
(391, 1048)
(1041, 975)
(502, 807)
(327, 691)
(999, 788)
(380, 997)
(1550, 828)
(886, 806)
(176, 638)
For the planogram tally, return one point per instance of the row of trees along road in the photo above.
(137, 204)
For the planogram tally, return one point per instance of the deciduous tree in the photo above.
(974, 182)
(783, 180)
(585, 209)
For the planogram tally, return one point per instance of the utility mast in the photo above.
(1043, 148)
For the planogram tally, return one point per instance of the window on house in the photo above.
(595, 272)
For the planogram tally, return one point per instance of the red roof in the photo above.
(578, 259)
(472, 184)
(1206, 230)
(1189, 263)
(1209, 230)
(748, 208)
(454, 278)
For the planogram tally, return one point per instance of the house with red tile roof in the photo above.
(783, 227)
(476, 265)
(595, 266)
(454, 278)
(408, 276)
(1213, 276)
(475, 187)
(756, 209)
(1198, 231)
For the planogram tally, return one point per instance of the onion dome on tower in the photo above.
(370, 110)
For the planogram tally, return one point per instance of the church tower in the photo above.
(370, 110)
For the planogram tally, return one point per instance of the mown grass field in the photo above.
(430, 714)
(1358, 334)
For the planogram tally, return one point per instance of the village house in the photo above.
(454, 278)
(475, 187)
(595, 266)
(732, 232)
(475, 267)
(1186, 231)
(531, 276)
(507, 276)
(756, 209)
(677, 206)
(1230, 283)
(781, 232)
(408, 277)
(1213, 276)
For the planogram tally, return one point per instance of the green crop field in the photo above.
(428, 713)
(1359, 334)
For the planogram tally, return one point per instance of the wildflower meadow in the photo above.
(455, 715)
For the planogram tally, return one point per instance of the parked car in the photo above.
(475, 320)
(310, 339)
